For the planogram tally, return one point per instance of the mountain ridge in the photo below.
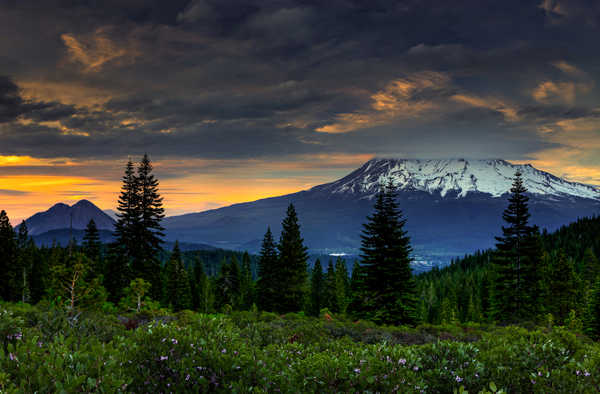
(446, 217)
(493, 176)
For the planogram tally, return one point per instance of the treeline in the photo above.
(132, 273)
(530, 276)
(547, 278)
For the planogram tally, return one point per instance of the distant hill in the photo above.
(62, 236)
(63, 216)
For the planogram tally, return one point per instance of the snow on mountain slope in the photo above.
(459, 176)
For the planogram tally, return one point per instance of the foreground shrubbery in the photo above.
(46, 350)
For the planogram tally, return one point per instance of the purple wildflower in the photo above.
(402, 361)
(415, 368)
(163, 358)
(458, 379)
(586, 373)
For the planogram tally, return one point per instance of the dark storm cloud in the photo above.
(246, 79)
(12, 105)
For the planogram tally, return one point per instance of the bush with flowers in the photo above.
(191, 352)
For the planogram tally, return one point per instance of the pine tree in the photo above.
(562, 295)
(40, 272)
(331, 300)
(91, 247)
(591, 266)
(149, 233)
(135, 294)
(247, 283)
(178, 292)
(268, 273)
(292, 261)
(358, 292)
(71, 285)
(385, 254)
(593, 311)
(342, 285)
(316, 289)
(24, 264)
(516, 261)
(201, 300)
(117, 272)
(8, 257)
(125, 249)
(228, 286)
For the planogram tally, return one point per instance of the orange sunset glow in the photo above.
(228, 114)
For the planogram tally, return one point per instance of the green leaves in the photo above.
(245, 352)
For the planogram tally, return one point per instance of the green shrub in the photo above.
(248, 351)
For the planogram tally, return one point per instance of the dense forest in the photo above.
(532, 279)
(567, 284)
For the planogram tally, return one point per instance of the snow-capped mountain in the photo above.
(455, 176)
(452, 207)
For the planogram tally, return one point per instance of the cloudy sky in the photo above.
(237, 100)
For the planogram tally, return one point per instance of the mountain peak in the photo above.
(84, 203)
(454, 177)
(63, 216)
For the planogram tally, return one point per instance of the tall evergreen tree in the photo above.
(8, 257)
(342, 285)
(317, 289)
(40, 272)
(268, 273)
(331, 301)
(201, 299)
(357, 307)
(385, 254)
(562, 295)
(125, 249)
(228, 285)
(591, 266)
(292, 261)
(593, 312)
(91, 247)
(24, 263)
(247, 283)
(178, 292)
(516, 261)
(149, 232)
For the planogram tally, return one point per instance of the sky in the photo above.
(238, 100)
